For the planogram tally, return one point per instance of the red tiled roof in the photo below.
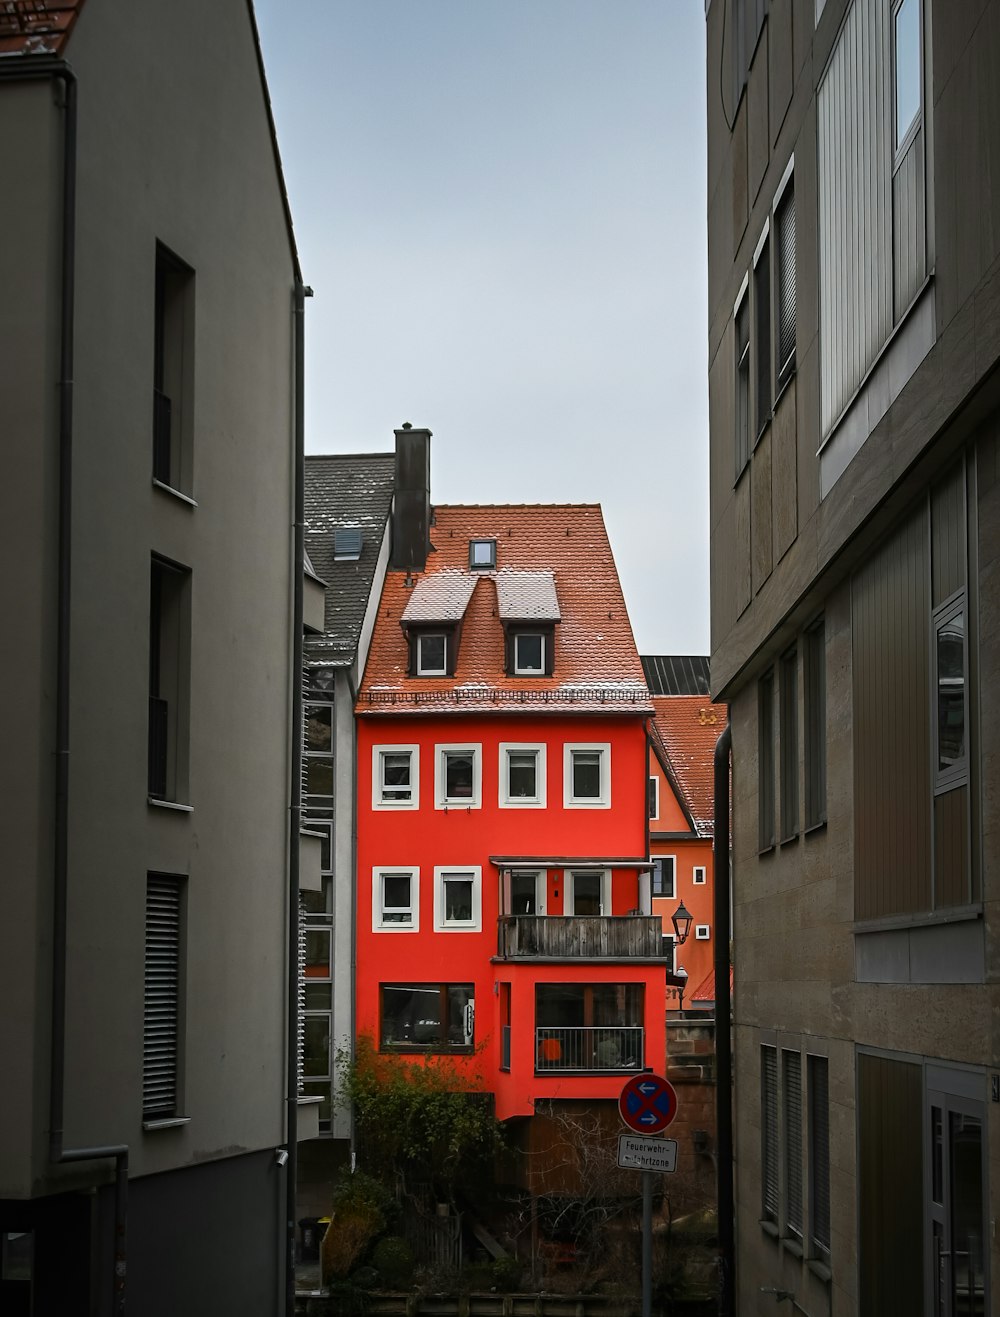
(705, 990)
(688, 727)
(36, 27)
(596, 667)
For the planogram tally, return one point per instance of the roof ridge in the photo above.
(336, 457)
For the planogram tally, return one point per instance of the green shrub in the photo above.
(393, 1259)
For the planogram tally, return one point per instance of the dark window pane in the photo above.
(765, 761)
(522, 894)
(951, 692)
(586, 893)
(319, 777)
(742, 385)
(427, 1016)
(430, 654)
(587, 774)
(319, 724)
(529, 653)
(458, 774)
(396, 776)
(521, 765)
(317, 953)
(458, 899)
(663, 875)
(785, 292)
(396, 898)
(762, 301)
(318, 996)
(316, 1058)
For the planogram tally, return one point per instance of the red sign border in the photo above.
(663, 1086)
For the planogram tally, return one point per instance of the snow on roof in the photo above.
(527, 596)
(441, 597)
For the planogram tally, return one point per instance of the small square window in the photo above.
(482, 554)
(529, 654)
(522, 775)
(654, 797)
(702, 932)
(395, 897)
(432, 655)
(395, 777)
(458, 899)
(698, 875)
(458, 778)
(587, 771)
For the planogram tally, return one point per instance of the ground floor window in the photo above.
(427, 1017)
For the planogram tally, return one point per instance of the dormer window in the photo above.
(432, 654)
(529, 654)
(482, 554)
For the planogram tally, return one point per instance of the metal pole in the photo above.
(647, 1243)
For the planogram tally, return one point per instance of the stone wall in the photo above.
(691, 1070)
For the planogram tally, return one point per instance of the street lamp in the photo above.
(682, 920)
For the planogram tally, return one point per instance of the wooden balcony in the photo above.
(582, 937)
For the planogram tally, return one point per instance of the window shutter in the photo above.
(791, 1064)
(762, 322)
(769, 1132)
(161, 996)
(819, 1150)
(785, 225)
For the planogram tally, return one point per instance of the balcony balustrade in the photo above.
(592, 1049)
(588, 937)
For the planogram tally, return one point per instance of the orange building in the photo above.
(504, 909)
(685, 729)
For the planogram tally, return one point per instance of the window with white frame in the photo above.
(522, 774)
(395, 900)
(395, 777)
(529, 653)
(664, 875)
(588, 892)
(458, 899)
(458, 776)
(698, 875)
(587, 776)
(702, 932)
(482, 554)
(432, 654)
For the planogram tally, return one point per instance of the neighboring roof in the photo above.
(441, 597)
(345, 490)
(676, 674)
(36, 27)
(705, 990)
(527, 596)
(596, 667)
(685, 730)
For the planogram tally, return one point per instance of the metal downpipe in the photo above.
(723, 1028)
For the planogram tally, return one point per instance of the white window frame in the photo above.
(518, 668)
(379, 924)
(701, 869)
(441, 923)
(431, 672)
(703, 932)
(539, 800)
(441, 800)
(378, 801)
(570, 878)
(603, 801)
(654, 781)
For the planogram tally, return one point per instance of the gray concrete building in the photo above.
(148, 279)
(854, 299)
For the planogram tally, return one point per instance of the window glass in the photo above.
(951, 693)
(482, 553)
(427, 1016)
(396, 907)
(906, 31)
(663, 875)
(319, 777)
(742, 384)
(522, 774)
(458, 898)
(458, 774)
(762, 304)
(316, 1056)
(317, 953)
(523, 894)
(396, 784)
(587, 774)
(529, 653)
(318, 996)
(784, 222)
(319, 727)
(431, 655)
(587, 893)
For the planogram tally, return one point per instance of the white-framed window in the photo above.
(588, 892)
(587, 776)
(458, 899)
(432, 654)
(529, 653)
(702, 932)
(458, 776)
(482, 554)
(524, 892)
(395, 899)
(664, 875)
(522, 775)
(698, 875)
(653, 794)
(395, 776)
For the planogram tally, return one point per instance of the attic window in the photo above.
(483, 554)
(432, 654)
(530, 651)
(347, 544)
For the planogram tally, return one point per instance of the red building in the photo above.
(504, 913)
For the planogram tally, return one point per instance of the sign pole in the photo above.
(647, 1244)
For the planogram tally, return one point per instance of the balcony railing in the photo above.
(593, 1048)
(590, 937)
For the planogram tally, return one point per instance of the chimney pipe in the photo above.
(411, 504)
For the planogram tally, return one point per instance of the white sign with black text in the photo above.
(647, 1154)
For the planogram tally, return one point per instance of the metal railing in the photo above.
(587, 936)
(591, 1048)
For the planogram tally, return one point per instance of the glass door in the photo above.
(958, 1212)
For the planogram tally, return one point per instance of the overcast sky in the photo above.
(500, 205)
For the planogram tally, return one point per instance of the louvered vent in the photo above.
(769, 1131)
(162, 990)
(791, 1064)
(347, 543)
(819, 1149)
(301, 1026)
(784, 222)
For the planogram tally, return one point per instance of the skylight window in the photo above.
(483, 554)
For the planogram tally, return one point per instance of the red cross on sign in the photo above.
(647, 1104)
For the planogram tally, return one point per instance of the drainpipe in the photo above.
(723, 1028)
(354, 901)
(295, 808)
(28, 71)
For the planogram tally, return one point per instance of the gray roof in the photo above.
(527, 596)
(442, 597)
(346, 490)
(677, 674)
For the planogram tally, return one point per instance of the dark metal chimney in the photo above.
(411, 504)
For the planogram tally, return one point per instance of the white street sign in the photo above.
(647, 1154)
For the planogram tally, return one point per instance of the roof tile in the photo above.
(688, 727)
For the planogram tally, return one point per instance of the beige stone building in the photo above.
(148, 281)
(854, 299)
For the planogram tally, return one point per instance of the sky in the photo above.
(500, 207)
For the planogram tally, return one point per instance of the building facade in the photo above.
(503, 904)
(855, 418)
(146, 373)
